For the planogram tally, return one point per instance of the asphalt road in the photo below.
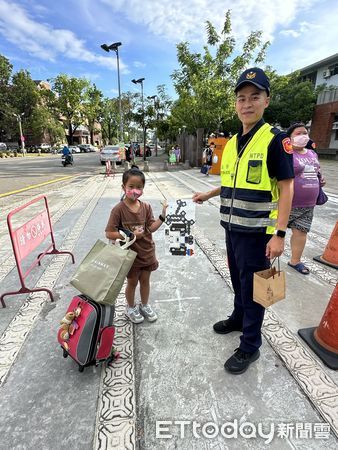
(19, 173)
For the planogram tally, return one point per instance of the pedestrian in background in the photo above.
(137, 216)
(256, 195)
(306, 191)
(177, 152)
(208, 157)
(172, 156)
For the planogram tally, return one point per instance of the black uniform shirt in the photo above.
(279, 161)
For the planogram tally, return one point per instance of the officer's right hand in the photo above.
(199, 197)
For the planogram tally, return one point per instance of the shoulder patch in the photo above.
(287, 146)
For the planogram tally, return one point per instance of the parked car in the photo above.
(87, 148)
(74, 149)
(152, 148)
(112, 153)
(44, 147)
(3, 147)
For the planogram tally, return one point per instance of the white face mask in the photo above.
(300, 141)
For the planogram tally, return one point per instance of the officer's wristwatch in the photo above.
(280, 233)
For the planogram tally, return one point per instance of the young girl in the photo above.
(137, 217)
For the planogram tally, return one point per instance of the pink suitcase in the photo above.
(87, 332)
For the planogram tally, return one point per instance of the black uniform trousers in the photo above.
(246, 255)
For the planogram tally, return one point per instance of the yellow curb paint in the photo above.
(33, 186)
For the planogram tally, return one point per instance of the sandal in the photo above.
(300, 267)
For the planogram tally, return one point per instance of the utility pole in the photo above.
(140, 81)
(22, 137)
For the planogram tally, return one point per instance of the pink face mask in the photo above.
(300, 141)
(134, 194)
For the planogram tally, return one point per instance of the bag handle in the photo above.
(278, 265)
(126, 239)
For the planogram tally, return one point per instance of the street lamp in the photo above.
(154, 97)
(22, 138)
(115, 47)
(140, 81)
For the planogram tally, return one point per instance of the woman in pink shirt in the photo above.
(306, 190)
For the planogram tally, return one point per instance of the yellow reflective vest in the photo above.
(249, 196)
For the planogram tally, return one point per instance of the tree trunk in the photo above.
(70, 134)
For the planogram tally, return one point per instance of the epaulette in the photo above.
(275, 131)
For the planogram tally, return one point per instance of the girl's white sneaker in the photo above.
(134, 315)
(148, 312)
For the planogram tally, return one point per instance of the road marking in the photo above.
(33, 186)
(14, 336)
(176, 299)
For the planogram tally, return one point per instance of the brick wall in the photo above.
(322, 120)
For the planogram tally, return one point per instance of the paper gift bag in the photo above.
(101, 274)
(269, 286)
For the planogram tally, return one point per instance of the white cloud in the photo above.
(318, 40)
(292, 33)
(304, 27)
(44, 41)
(90, 76)
(138, 64)
(176, 20)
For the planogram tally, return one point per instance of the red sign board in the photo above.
(30, 235)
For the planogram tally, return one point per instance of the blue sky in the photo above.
(63, 36)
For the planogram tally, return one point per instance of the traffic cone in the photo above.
(323, 340)
(330, 255)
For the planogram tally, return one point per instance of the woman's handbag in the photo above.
(103, 271)
(269, 286)
(322, 197)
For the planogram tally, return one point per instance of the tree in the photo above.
(109, 120)
(70, 100)
(45, 125)
(292, 100)
(5, 75)
(23, 98)
(92, 109)
(205, 83)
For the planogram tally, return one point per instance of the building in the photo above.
(324, 125)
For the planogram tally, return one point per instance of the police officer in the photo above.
(256, 195)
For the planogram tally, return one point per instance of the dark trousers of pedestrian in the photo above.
(246, 255)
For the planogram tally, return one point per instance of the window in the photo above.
(333, 70)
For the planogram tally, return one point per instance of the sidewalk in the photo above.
(170, 370)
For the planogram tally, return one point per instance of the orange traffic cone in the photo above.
(330, 255)
(324, 339)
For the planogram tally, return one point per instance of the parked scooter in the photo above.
(67, 159)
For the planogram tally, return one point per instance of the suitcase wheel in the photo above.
(65, 353)
(81, 368)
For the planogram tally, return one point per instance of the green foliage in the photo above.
(92, 109)
(70, 101)
(5, 75)
(44, 126)
(109, 120)
(292, 100)
(205, 82)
